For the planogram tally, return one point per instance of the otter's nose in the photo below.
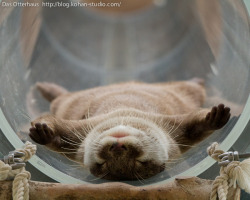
(117, 146)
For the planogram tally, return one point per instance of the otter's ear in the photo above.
(50, 91)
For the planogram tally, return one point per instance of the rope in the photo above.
(29, 150)
(20, 187)
(4, 171)
(236, 174)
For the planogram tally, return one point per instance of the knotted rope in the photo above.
(236, 174)
(20, 187)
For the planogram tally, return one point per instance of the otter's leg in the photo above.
(197, 126)
(50, 91)
(63, 136)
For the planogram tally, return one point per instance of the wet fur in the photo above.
(162, 121)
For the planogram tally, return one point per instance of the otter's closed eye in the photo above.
(140, 163)
(101, 164)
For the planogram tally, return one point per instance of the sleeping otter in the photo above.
(129, 130)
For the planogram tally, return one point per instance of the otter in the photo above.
(128, 130)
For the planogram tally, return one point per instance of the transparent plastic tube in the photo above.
(80, 48)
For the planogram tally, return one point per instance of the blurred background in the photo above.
(80, 47)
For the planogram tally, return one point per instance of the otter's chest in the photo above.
(108, 103)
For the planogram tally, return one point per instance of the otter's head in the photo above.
(126, 148)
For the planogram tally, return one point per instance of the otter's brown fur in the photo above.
(121, 130)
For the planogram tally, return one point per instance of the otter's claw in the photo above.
(218, 116)
(41, 134)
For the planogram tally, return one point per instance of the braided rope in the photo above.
(214, 151)
(4, 171)
(29, 150)
(20, 187)
(236, 174)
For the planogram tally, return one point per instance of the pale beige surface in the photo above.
(5, 10)
(30, 27)
(210, 17)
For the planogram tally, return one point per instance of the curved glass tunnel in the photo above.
(80, 48)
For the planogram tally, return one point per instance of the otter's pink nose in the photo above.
(119, 135)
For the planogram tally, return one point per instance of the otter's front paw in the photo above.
(218, 117)
(42, 134)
